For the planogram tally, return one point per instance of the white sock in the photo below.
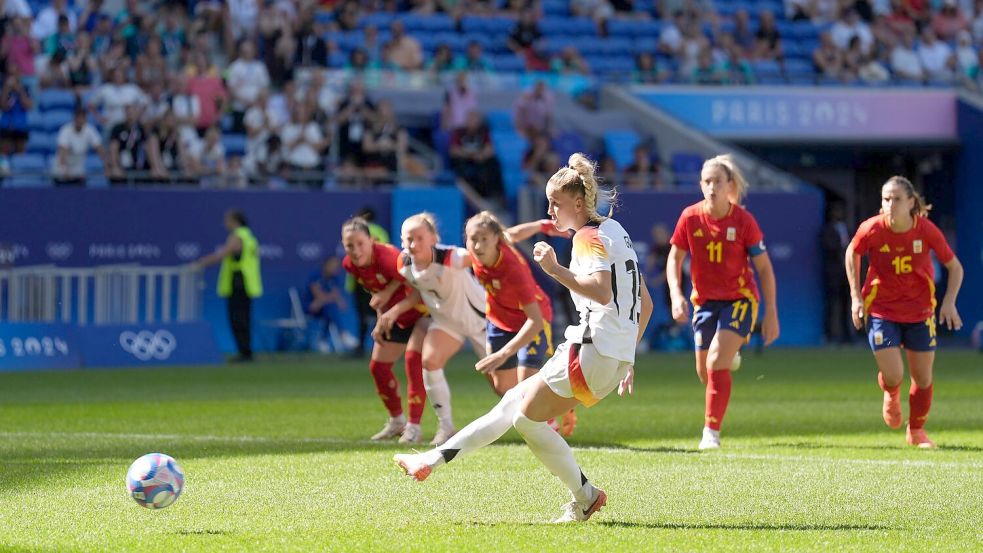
(712, 432)
(401, 418)
(554, 452)
(439, 394)
(481, 432)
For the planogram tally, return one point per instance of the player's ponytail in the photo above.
(921, 208)
(727, 163)
(579, 178)
(487, 221)
(356, 224)
(424, 218)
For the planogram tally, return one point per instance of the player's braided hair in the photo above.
(578, 178)
(727, 163)
(356, 224)
(921, 208)
(423, 218)
(488, 221)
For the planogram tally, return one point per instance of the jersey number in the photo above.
(636, 280)
(902, 264)
(716, 250)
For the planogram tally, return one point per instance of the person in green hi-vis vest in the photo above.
(239, 278)
(365, 312)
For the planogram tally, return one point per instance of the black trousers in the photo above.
(365, 313)
(241, 315)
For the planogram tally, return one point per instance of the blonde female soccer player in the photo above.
(441, 277)
(374, 267)
(898, 299)
(720, 236)
(596, 356)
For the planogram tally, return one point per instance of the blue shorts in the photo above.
(736, 316)
(882, 333)
(532, 355)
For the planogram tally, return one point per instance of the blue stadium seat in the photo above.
(52, 121)
(500, 121)
(614, 46)
(612, 65)
(620, 145)
(643, 45)
(577, 26)
(40, 143)
(53, 98)
(512, 181)
(508, 63)
(379, 19)
(566, 143)
(235, 144)
(35, 121)
(323, 16)
(559, 8)
(686, 167)
(93, 164)
(633, 28)
(28, 171)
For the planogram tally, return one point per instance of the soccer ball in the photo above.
(155, 480)
(736, 364)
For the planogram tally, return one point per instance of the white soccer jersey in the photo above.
(612, 328)
(451, 293)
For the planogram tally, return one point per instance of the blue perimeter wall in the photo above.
(80, 228)
(969, 214)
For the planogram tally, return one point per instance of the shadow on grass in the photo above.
(636, 449)
(808, 445)
(745, 526)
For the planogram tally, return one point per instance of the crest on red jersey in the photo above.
(916, 246)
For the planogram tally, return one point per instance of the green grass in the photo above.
(276, 459)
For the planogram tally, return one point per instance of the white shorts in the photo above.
(476, 338)
(580, 371)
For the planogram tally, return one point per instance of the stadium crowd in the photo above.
(239, 91)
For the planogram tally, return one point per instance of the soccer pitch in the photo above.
(277, 459)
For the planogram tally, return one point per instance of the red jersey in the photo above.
(900, 284)
(510, 285)
(719, 250)
(377, 275)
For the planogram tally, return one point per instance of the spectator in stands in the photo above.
(729, 56)
(649, 71)
(525, 33)
(113, 59)
(354, 115)
(442, 60)
(671, 36)
(905, 63)
(694, 42)
(158, 103)
(569, 62)
(473, 59)
(165, 148)
(321, 98)
(206, 157)
(767, 40)
(278, 56)
(62, 39)
(151, 67)
(891, 27)
(406, 51)
(242, 17)
(18, 49)
(385, 146)
(540, 160)
(598, 10)
(473, 158)
(326, 302)
(53, 73)
(127, 147)
(706, 71)
(81, 64)
(15, 102)
(358, 62)
(949, 20)
(15, 8)
(310, 50)
(644, 171)
(743, 34)
(873, 68)
(460, 99)
(977, 24)
(303, 142)
(836, 235)
(113, 98)
(937, 58)
(849, 25)
(853, 60)
(185, 106)
(46, 23)
(346, 16)
(967, 58)
(372, 44)
(206, 85)
(173, 37)
(246, 78)
(533, 111)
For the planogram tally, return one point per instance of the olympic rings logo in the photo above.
(146, 345)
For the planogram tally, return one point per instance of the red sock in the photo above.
(387, 386)
(718, 395)
(893, 391)
(417, 394)
(919, 403)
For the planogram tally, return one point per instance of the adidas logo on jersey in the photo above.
(885, 249)
(698, 233)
